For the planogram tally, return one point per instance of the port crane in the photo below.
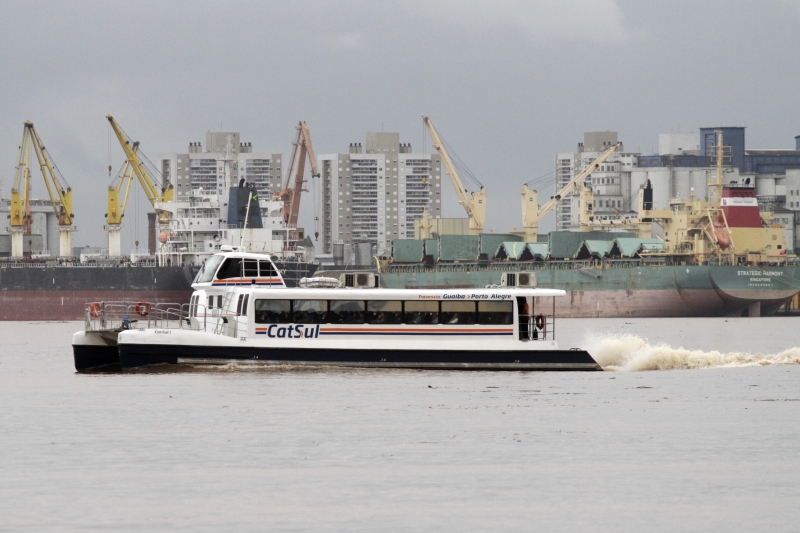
(532, 213)
(116, 210)
(291, 193)
(156, 193)
(475, 203)
(58, 190)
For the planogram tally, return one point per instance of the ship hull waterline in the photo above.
(642, 292)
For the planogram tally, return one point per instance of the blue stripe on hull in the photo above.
(432, 333)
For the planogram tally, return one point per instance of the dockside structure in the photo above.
(678, 170)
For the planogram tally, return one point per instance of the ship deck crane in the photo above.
(116, 211)
(475, 203)
(290, 195)
(156, 193)
(532, 213)
(58, 190)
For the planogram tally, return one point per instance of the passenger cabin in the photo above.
(402, 312)
(235, 296)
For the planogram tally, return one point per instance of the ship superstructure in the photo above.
(229, 210)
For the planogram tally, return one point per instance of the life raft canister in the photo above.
(540, 321)
(143, 308)
(94, 310)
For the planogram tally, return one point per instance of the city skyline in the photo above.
(508, 84)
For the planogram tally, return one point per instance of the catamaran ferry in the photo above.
(242, 313)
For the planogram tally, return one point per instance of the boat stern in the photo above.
(95, 351)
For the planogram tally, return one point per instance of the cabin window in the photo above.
(211, 302)
(421, 312)
(231, 268)
(458, 312)
(239, 304)
(346, 312)
(385, 312)
(266, 269)
(193, 305)
(495, 312)
(250, 268)
(206, 272)
(244, 304)
(273, 311)
(310, 311)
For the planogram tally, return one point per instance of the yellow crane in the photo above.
(116, 210)
(532, 213)
(475, 203)
(156, 193)
(58, 190)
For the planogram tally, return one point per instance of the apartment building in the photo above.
(610, 182)
(373, 193)
(199, 168)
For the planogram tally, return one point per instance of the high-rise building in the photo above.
(197, 168)
(374, 193)
(610, 182)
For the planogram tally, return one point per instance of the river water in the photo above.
(695, 427)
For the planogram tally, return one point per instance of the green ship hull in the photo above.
(626, 288)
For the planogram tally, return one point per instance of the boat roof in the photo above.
(245, 255)
(500, 293)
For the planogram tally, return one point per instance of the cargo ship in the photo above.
(713, 256)
(52, 290)
(183, 232)
(46, 288)
(604, 285)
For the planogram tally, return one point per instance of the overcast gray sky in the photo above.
(508, 83)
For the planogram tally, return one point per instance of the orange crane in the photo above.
(290, 196)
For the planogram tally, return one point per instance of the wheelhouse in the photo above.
(240, 269)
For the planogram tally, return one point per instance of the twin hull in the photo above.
(635, 291)
(327, 345)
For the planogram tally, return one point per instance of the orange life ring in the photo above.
(143, 308)
(540, 321)
(94, 310)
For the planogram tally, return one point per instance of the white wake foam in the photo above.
(631, 353)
